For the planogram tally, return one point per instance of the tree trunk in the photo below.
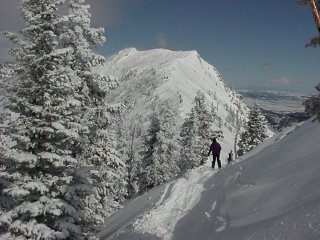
(315, 13)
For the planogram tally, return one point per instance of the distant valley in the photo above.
(282, 109)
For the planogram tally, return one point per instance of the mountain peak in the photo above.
(164, 74)
(127, 52)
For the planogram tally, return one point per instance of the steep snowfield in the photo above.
(164, 74)
(272, 193)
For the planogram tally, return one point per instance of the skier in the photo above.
(230, 156)
(215, 148)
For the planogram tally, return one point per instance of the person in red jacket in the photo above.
(215, 148)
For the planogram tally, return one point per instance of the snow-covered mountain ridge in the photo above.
(175, 75)
(273, 193)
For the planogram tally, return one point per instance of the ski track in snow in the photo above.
(184, 195)
(272, 193)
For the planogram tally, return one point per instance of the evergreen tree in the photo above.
(238, 125)
(196, 134)
(109, 176)
(234, 118)
(6, 71)
(312, 104)
(149, 142)
(255, 132)
(188, 140)
(162, 154)
(128, 142)
(46, 191)
(79, 38)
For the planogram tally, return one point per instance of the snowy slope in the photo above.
(271, 194)
(146, 75)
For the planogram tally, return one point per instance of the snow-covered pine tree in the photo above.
(196, 134)
(110, 175)
(162, 154)
(238, 124)
(79, 38)
(217, 120)
(255, 131)
(149, 142)
(166, 148)
(6, 71)
(188, 140)
(312, 104)
(236, 121)
(39, 175)
(128, 134)
(5, 142)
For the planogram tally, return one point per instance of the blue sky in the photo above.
(255, 44)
